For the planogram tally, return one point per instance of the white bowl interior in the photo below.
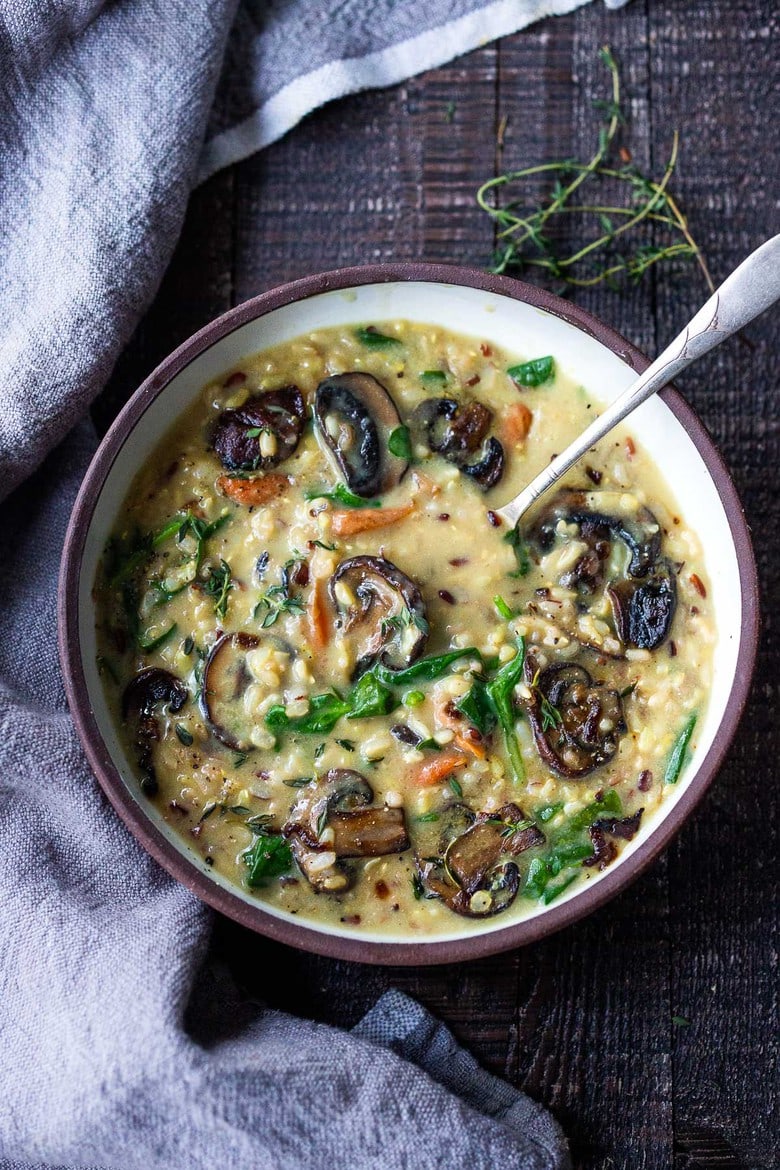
(519, 327)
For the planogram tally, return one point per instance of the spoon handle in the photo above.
(751, 288)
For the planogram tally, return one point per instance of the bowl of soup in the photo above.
(330, 690)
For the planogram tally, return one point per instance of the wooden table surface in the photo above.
(584, 1022)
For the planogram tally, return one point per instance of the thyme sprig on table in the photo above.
(525, 240)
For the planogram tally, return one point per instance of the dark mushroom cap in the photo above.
(644, 599)
(476, 876)
(602, 834)
(643, 610)
(225, 678)
(354, 417)
(387, 614)
(565, 710)
(280, 412)
(150, 689)
(458, 432)
(340, 801)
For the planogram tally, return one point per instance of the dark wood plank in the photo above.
(717, 81)
(583, 1021)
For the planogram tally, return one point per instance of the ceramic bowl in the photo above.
(513, 315)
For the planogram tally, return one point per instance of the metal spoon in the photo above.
(751, 288)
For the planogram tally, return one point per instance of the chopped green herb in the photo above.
(433, 379)
(218, 584)
(207, 811)
(322, 544)
(427, 818)
(477, 708)
(677, 758)
(369, 696)
(520, 549)
(342, 495)
(269, 857)
(499, 693)
(533, 373)
(255, 432)
(149, 645)
(418, 889)
(629, 690)
(239, 759)
(428, 745)
(456, 787)
(400, 443)
(373, 339)
(547, 812)
(188, 645)
(298, 782)
(503, 609)
(425, 669)
(319, 751)
(322, 821)
(347, 744)
(183, 735)
(552, 892)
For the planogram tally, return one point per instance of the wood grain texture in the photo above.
(584, 1021)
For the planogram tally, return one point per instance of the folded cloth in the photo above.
(116, 1049)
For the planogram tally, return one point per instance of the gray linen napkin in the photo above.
(116, 1048)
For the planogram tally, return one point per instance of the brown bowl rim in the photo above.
(254, 916)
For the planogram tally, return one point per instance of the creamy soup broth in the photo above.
(491, 780)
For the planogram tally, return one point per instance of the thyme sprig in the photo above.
(525, 241)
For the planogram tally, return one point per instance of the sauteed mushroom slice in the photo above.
(476, 877)
(225, 678)
(600, 515)
(151, 689)
(384, 609)
(576, 721)
(602, 834)
(643, 610)
(263, 432)
(354, 417)
(459, 433)
(332, 820)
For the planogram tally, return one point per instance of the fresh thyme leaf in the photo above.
(373, 339)
(188, 645)
(322, 544)
(629, 690)
(322, 822)
(418, 889)
(400, 443)
(218, 584)
(342, 495)
(613, 202)
(207, 811)
(239, 759)
(427, 818)
(298, 782)
(319, 751)
(347, 744)
(455, 785)
(183, 735)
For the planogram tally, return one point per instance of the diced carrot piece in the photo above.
(253, 492)
(438, 769)
(516, 424)
(317, 614)
(350, 523)
(466, 744)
